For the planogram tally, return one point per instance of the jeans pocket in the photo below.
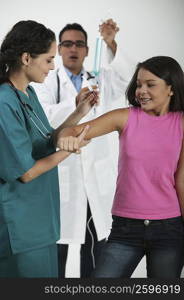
(120, 229)
(175, 228)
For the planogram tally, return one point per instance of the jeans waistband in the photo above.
(145, 221)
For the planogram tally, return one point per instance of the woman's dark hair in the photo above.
(73, 26)
(169, 70)
(25, 36)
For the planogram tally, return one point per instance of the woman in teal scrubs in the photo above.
(29, 194)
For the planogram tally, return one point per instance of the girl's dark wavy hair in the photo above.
(166, 68)
(25, 36)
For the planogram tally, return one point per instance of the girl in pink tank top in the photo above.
(148, 205)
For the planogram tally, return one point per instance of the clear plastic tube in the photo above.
(97, 58)
(99, 46)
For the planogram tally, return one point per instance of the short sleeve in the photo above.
(15, 144)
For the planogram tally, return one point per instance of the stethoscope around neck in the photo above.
(27, 108)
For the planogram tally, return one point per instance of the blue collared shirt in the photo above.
(76, 79)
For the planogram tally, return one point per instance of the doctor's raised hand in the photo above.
(108, 30)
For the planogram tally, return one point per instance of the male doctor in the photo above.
(87, 180)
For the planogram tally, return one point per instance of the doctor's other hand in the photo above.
(70, 143)
(86, 99)
(108, 30)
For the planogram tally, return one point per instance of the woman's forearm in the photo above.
(84, 102)
(72, 120)
(43, 165)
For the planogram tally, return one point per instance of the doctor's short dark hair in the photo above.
(73, 26)
(166, 68)
(25, 36)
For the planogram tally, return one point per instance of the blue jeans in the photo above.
(161, 241)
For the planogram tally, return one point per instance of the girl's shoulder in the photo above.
(120, 116)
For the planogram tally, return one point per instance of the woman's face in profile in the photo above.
(39, 67)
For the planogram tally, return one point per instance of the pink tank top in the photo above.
(149, 150)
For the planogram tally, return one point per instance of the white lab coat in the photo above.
(92, 174)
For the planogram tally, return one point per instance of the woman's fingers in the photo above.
(73, 144)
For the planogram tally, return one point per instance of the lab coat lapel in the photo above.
(66, 82)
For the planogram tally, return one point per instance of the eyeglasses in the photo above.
(69, 44)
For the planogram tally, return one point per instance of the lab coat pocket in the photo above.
(105, 175)
(63, 173)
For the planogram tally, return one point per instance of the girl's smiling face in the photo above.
(153, 93)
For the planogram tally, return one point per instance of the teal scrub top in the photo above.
(29, 212)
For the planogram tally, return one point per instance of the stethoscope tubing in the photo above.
(28, 107)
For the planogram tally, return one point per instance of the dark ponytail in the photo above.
(4, 68)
